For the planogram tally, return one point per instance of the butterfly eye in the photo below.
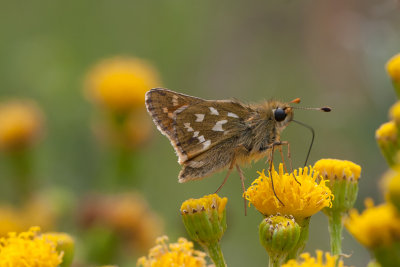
(279, 114)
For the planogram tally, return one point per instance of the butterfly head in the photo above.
(282, 114)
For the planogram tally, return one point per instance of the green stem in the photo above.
(21, 163)
(273, 262)
(335, 232)
(215, 253)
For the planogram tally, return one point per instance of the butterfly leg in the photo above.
(242, 178)
(283, 159)
(289, 157)
(226, 176)
(270, 169)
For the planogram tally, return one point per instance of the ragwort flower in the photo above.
(387, 137)
(120, 83)
(301, 193)
(205, 222)
(65, 245)
(28, 249)
(376, 226)
(393, 69)
(378, 229)
(21, 123)
(343, 176)
(175, 254)
(308, 261)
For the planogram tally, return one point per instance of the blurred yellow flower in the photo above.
(65, 245)
(301, 201)
(393, 67)
(120, 83)
(335, 169)
(21, 123)
(175, 254)
(386, 133)
(393, 189)
(308, 261)
(36, 211)
(394, 113)
(28, 249)
(129, 215)
(377, 226)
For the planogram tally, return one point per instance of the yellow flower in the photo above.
(120, 83)
(386, 133)
(376, 226)
(65, 244)
(394, 112)
(37, 211)
(301, 201)
(207, 203)
(393, 189)
(128, 215)
(28, 249)
(205, 222)
(393, 67)
(175, 254)
(21, 123)
(308, 261)
(335, 169)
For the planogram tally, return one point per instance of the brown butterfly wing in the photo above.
(204, 125)
(163, 106)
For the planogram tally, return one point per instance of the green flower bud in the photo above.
(205, 222)
(279, 235)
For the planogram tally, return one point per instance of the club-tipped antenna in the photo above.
(324, 109)
(312, 139)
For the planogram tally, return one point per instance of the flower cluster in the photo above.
(29, 249)
(173, 254)
(21, 124)
(302, 193)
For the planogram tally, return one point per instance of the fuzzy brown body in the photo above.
(211, 135)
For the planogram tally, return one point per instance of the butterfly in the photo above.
(212, 135)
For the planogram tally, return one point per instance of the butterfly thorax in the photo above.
(265, 128)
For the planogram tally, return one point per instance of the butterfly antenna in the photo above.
(324, 109)
(312, 139)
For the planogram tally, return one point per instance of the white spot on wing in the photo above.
(233, 115)
(218, 126)
(199, 117)
(213, 111)
(175, 100)
(187, 126)
(179, 110)
(206, 144)
(196, 133)
(201, 139)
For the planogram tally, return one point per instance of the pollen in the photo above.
(376, 226)
(301, 198)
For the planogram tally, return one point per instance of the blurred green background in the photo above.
(325, 52)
